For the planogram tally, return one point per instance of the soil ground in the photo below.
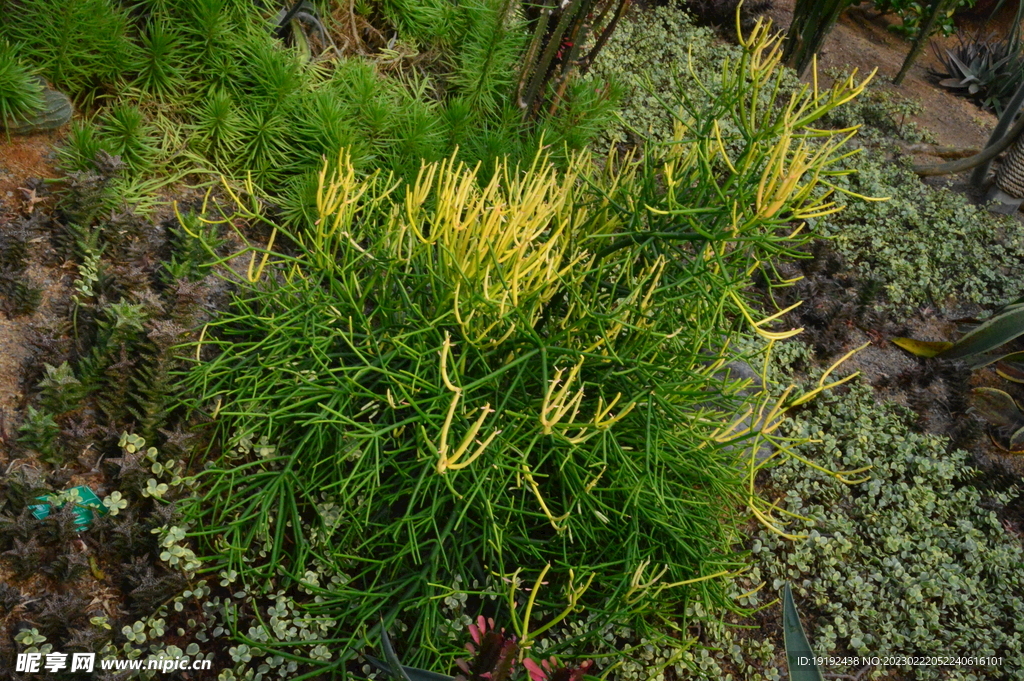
(24, 160)
(863, 40)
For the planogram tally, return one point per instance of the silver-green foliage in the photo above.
(646, 54)
(914, 561)
(925, 245)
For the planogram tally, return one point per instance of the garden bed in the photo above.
(119, 292)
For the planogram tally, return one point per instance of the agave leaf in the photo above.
(397, 670)
(798, 651)
(922, 348)
(997, 407)
(410, 672)
(999, 329)
(980, 361)
(951, 82)
(1011, 371)
(1017, 442)
(964, 69)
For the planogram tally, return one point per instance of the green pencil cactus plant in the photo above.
(489, 346)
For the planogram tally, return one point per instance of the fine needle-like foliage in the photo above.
(456, 379)
(82, 45)
(160, 71)
(20, 91)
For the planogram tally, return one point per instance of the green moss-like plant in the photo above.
(131, 136)
(160, 67)
(81, 46)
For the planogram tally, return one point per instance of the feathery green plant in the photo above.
(82, 144)
(263, 145)
(487, 53)
(130, 136)
(218, 127)
(20, 91)
(82, 46)
(160, 70)
(423, 20)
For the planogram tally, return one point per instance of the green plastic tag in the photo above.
(86, 504)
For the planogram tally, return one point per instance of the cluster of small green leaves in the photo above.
(146, 638)
(645, 56)
(915, 560)
(249, 628)
(911, 11)
(926, 245)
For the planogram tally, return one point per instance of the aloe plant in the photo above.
(980, 348)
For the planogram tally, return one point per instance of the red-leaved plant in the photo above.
(494, 659)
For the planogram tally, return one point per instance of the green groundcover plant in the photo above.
(506, 375)
(917, 559)
(925, 246)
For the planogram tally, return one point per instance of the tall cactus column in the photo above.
(1008, 192)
